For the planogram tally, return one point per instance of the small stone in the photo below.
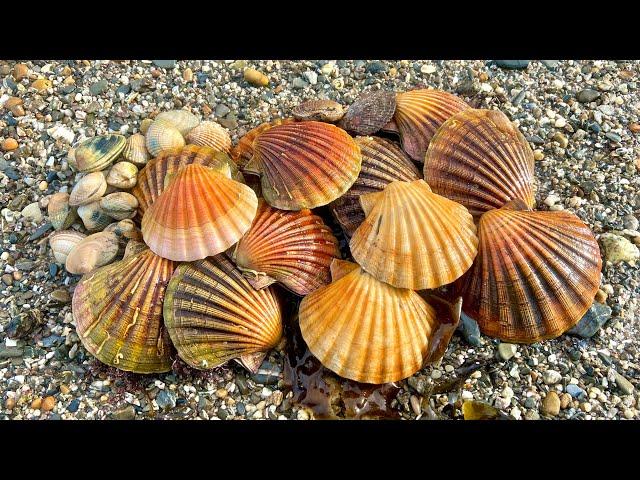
(187, 75)
(634, 127)
(48, 404)
(585, 407)
(222, 393)
(630, 222)
(575, 391)
(9, 403)
(64, 389)
(601, 296)
(32, 212)
(470, 330)
(302, 415)
(551, 377)
(551, 200)
(597, 315)
(41, 84)
(36, 403)
(165, 63)
(561, 139)
(587, 95)
(99, 87)
(428, 69)
(624, 385)
(7, 279)
(20, 71)
(376, 67)
(299, 83)
(614, 137)
(73, 406)
(9, 144)
(550, 64)
(415, 405)
(126, 413)
(507, 350)
(538, 155)
(618, 249)
(551, 404)
(565, 400)
(311, 76)
(166, 399)
(512, 64)
(256, 78)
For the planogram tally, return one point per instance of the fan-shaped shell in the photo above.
(122, 175)
(419, 113)
(97, 153)
(60, 213)
(89, 189)
(62, 243)
(319, 110)
(293, 248)
(181, 120)
(370, 112)
(200, 213)
(118, 313)
(414, 238)
(243, 152)
(364, 329)
(92, 252)
(535, 276)
(210, 134)
(382, 162)
(479, 158)
(162, 136)
(135, 151)
(214, 315)
(304, 164)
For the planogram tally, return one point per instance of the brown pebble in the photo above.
(61, 295)
(36, 404)
(20, 71)
(565, 400)
(254, 77)
(17, 275)
(634, 127)
(64, 389)
(393, 71)
(17, 111)
(69, 80)
(551, 404)
(66, 71)
(9, 144)
(9, 403)
(187, 75)
(278, 89)
(41, 84)
(48, 404)
(601, 296)
(12, 102)
(206, 110)
(5, 69)
(483, 77)
(156, 73)
(534, 376)
(7, 279)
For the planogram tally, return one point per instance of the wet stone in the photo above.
(166, 399)
(597, 315)
(126, 413)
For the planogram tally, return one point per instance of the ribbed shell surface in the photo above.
(243, 151)
(419, 113)
(414, 238)
(305, 164)
(161, 137)
(370, 112)
(210, 134)
(181, 120)
(214, 315)
(98, 153)
(118, 313)
(367, 330)
(480, 159)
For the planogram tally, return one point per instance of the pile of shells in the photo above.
(194, 244)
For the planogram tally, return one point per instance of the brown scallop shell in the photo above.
(243, 152)
(319, 110)
(370, 112)
(210, 134)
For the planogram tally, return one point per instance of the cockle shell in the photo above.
(243, 152)
(419, 113)
(304, 164)
(119, 205)
(181, 120)
(364, 329)
(293, 248)
(97, 153)
(370, 112)
(319, 110)
(92, 252)
(535, 276)
(118, 313)
(93, 217)
(382, 162)
(135, 151)
(89, 189)
(214, 315)
(125, 229)
(62, 243)
(479, 158)
(60, 213)
(161, 137)
(122, 175)
(414, 238)
(210, 134)
(200, 213)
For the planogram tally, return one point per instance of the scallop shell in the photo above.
(200, 213)
(370, 112)
(62, 243)
(319, 110)
(366, 330)
(89, 189)
(60, 213)
(97, 153)
(135, 150)
(122, 175)
(479, 159)
(92, 252)
(243, 152)
(382, 162)
(304, 164)
(119, 205)
(535, 276)
(214, 315)
(293, 248)
(181, 120)
(151, 179)
(419, 113)
(414, 238)
(93, 217)
(161, 137)
(210, 134)
(118, 313)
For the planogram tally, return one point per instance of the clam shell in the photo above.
(119, 205)
(479, 158)
(97, 153)
(60, 213)
(133, 247)
(200, 213)
(118, 313)
(319, 110)
(382, 162)
(414, 238)
(92, 252)
(535, 276)
(62, 243)
(181, 120)
(93, 217)
(293, 248)
(364, 329)
(135, 150)
(419, 113)
(304, 164)
(122, 175)
(370, 112)
(125, 229)
(243, 152)
(210, 134)
(161, 137)
(89, 189)
(214, 315)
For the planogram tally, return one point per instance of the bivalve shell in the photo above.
(97, 153)
(89, 189)
(122, 175)
(319, 110)
(125, 229)
(181, 120)
(133, 247)
(60, 213)
(162, 136)
(243, 151)
(135, 150)
(93, 217)
(370, 112)
(92, 252)
(210, 134)
(62, 243)
(119, 205)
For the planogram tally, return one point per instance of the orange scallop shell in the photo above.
(210, 134)
(243, 152)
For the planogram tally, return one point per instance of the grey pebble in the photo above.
(592, 321)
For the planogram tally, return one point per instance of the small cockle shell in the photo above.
(92, 252)
(214, 315)
(93, 217)
(181, 120)
(60, 213)
(161, 137)
(293, 248)
(125, 229)
(364, 329)
(135, 150)
(118, 313)
(122, 175)
(200, 213)
(419, 113)
(243, 151)
(210, 134)
(479, 158)
(62, 243)
(535, 276)
(414, 238)
(319, 110)
(382, 162)
(97, 153)
(370, 112)
(89, 189)
(119, 205)
(304, 164)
